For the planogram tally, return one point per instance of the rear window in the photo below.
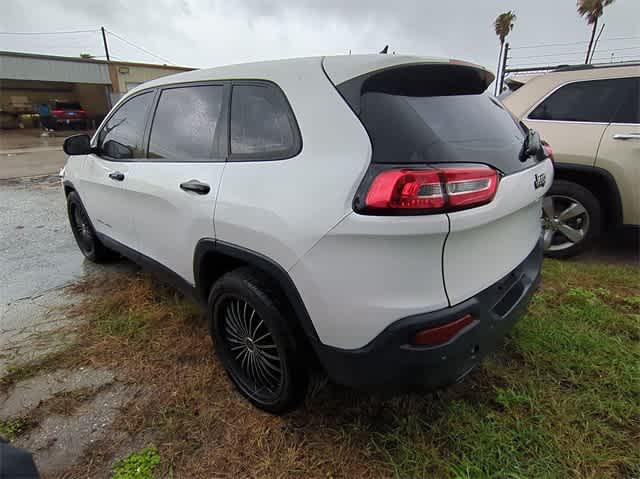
(262, 125)
(186, 122)
(436, 114)
(477, 119)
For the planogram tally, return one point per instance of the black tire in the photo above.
(591, 223)
(244, 297)
(83, 232)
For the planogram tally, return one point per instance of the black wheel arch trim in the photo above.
(262, 263)
(615, 200)
(68, 184)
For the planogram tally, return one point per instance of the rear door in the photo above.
(488, 242)
(172, 193)
(619, 152)
(120, 143)
(574, 117)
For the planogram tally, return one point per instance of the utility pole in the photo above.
(504, 67)
(497, 79)
(104, 40)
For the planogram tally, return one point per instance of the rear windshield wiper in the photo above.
(532, 146)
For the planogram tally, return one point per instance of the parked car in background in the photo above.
(66, 114)
(590, 116)
(377, 216)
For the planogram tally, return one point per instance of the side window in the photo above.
(185, 123)
(262, 124)
(589, 101)
(629, 110)
(122, 136)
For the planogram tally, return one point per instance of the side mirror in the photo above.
(77, 145)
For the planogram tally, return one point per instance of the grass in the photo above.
(560, 399)
(10, 429)
(137, 465)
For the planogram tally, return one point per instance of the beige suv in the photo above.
(590, 115)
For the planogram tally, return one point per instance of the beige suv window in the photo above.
(594, 101)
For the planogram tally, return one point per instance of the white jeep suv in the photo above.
(374, 216)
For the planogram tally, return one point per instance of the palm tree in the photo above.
(592, 9)
(503, 26)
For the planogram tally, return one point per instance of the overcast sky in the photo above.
(203, 33)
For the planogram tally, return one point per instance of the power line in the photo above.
(48, 33)
(615, 57)
(547, 55)
(548, 45)
(603, 59)
(561, 54)
(620, 38)
(140, 48)
(70, 47)
(620, 49)
(573, 43)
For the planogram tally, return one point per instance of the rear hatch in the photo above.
(437, 116)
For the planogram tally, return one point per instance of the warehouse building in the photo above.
(29, 80)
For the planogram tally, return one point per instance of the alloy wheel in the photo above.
(257, 365)
(565, 222)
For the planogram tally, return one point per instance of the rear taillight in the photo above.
(406, 189)
(57, 112)
(428, 190)
(548, 151)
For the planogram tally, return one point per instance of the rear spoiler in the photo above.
(417, 79)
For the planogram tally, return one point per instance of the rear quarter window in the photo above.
(262, 125)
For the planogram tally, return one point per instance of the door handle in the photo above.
(196, 186)
(626, 136)
(116, 175)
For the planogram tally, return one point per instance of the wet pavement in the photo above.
(29, 152)
(37, 249)
(38, 257)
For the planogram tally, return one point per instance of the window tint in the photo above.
(442, 129)
(262, 125)
(629, 110)
(185, 123)
(591, 101)
(122, 136)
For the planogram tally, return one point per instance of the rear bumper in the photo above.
(390, 360)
